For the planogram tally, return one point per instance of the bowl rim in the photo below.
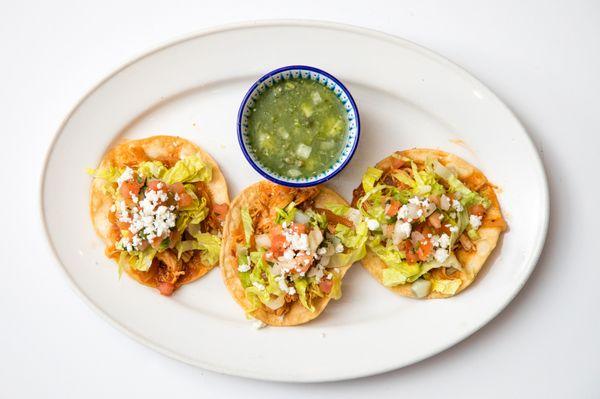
(262, 171)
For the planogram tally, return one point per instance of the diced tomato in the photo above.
(177, 188)
(166, 289)
(425, 249)
(411, 257)
(122, 225)
(156, 185)
(326, 285)
(128, 188)
(393, 208)
(184, 200)
(299, 228)
(277, 245)
(220, 210)
(477, 209)
(424, 229)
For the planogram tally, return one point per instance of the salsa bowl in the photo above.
(340, 153)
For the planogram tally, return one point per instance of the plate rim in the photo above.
(306, 23)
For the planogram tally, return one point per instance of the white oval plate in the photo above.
(407, 96)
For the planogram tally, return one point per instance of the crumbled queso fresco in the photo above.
(148, 219)
(300, 249)
(417, 208)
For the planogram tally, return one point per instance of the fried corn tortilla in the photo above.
(262, 202)
(169, 270)
(480, 245)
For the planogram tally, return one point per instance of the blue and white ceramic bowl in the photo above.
(303, 72)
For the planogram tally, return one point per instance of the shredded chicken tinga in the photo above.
(286, 250)
(159, 205)
(433, 221)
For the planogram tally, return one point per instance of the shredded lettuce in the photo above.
(317, 220)
(193, 214)
(243, 259)
(354, 239)
(392, 277)
(424, 268)
(301, 285)
(287, 214)
(338, 209)
(344, 259)
(462, 222)
(209, 244)
(184, 246)
(188, 170)
(247, 224)
(336, 288)
(138, 260)
(394, 259)
(473, 235)
(110, 174)
(376, 209)
(447, 287)
(467, 197)
(259, 283)
(404, 178)
(152, 169)
(426, 181)
(211, 248)
(399, 271)
(371, 176)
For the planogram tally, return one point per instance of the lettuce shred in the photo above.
(191, 169)
(247, 224)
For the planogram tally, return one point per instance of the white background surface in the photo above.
(541, 58)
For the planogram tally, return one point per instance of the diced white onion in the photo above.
(301, 217)
(452, 262)
(441, 170)
(263, 240)
(315, 238)
(413, 211)
(354, 216)
(401, 232)
(445, 203)
(421, 288)
(276, 303)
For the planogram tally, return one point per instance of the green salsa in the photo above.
(297, 128)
